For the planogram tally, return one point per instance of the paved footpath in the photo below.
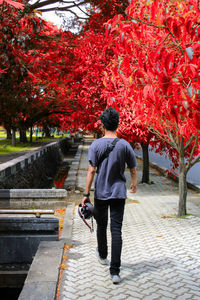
(161, 253)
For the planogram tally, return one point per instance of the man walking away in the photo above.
(110, 188)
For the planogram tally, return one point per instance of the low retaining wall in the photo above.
(36, 169)
(33, 198)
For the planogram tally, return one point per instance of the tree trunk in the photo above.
(182, 182)
(47, 131)
(145, 156)
(9, 133)
(13, 138)
(31, 135)
(182, 194)
(23, 137)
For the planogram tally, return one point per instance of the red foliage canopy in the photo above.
(157, 67)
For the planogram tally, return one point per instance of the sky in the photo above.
(52, 17)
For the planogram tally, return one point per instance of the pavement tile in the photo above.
(68, 288)
(69, 295)
(86, 297)
(152, 296)
(186, 297)
(101, 295)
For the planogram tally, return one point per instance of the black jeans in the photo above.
(116, 219)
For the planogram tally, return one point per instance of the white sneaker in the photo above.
(102, 261)
(116, 279)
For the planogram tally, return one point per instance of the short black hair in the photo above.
(110, 119)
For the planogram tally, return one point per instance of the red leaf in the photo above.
(13, 3)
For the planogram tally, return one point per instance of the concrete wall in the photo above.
(35, 169)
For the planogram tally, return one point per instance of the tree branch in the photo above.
(191, 163)
(41, 5)
(30, 121)
(162, 137)
(62, 9)
(196, 160)
(83, 10)
(188, 142)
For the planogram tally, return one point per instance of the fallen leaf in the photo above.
(132, 201)
(63, 266)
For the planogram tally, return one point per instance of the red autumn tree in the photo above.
(89, 64)
(158, 61)
(39, 74)
(36, 62)
(50, 63)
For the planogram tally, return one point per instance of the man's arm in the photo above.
(134, 180)
(89, 180)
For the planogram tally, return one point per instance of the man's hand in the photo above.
(133, 188)
(85, 199)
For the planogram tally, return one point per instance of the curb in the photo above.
(67, 226)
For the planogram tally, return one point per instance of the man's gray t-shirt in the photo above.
(110, 181)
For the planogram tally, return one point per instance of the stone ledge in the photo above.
(29, 198)
(32, 193)
(66, 234)
(30, 224)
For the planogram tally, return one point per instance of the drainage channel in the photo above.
(21, 232)
(12, 277)
(10, 293)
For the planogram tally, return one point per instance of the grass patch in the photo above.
(7, 148)
(2, 135)
(187, 215)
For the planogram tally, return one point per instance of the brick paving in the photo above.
(160, 255)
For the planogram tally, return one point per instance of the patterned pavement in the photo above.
(160, 255)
